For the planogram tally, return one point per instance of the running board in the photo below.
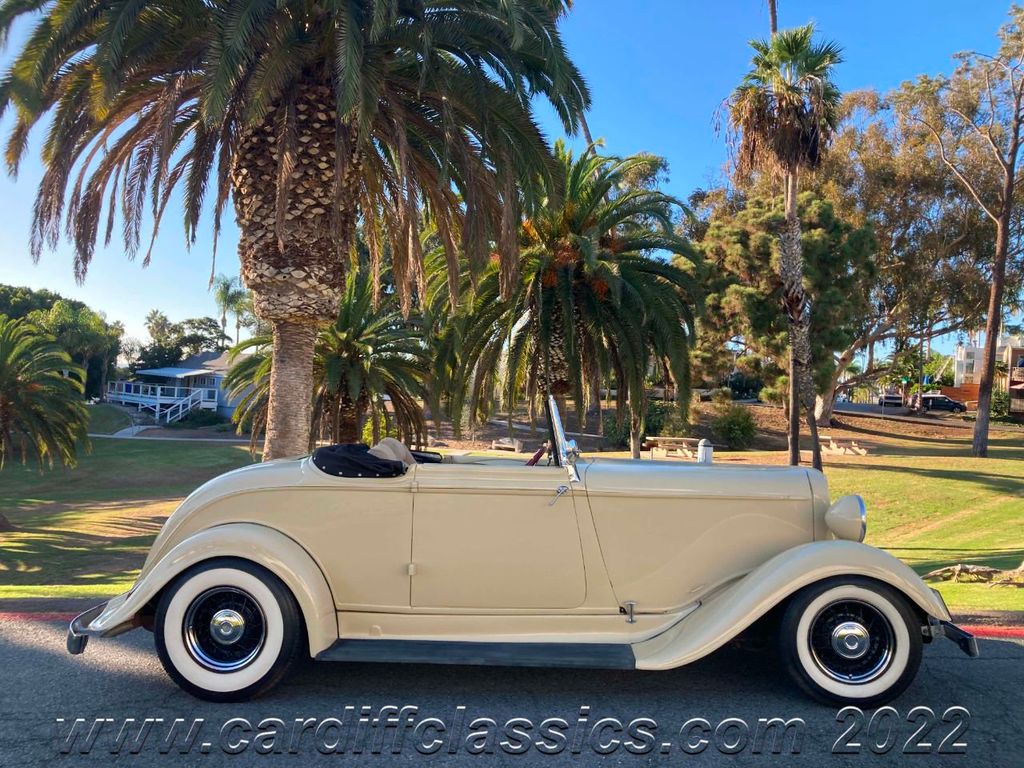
(585, 655)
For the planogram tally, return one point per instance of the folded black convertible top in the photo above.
(355, 460)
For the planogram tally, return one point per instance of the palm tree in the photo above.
(42, 415)
(785, 113)
(157, 325)
(109, 353)
(230, 296)
(590, 302)
(370, 364)
(309, 116)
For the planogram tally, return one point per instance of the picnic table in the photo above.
(831, 445)
(507, 444)
(663, 447)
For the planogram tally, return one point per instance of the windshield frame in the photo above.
(564, 453)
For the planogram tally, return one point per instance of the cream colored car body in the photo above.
(669, 559)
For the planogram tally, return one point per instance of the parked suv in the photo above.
(942, 403)
(891, 400)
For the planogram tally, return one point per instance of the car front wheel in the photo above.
(227, 630)
(851, 641)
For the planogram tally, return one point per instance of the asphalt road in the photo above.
(122, 678)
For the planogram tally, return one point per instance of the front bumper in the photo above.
(78, 630)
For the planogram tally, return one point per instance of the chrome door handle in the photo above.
(559, 493)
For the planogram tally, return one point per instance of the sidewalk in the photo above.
(128, 434)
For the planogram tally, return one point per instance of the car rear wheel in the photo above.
(227, 630)
(851, 641)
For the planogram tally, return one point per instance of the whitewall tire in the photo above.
(851, 640)
(227, 630)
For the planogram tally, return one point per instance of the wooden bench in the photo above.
(834, 447)
(672, 447)
(507, 444)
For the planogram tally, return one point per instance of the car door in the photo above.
(495, 535)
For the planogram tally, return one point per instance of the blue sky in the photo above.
(658, 71)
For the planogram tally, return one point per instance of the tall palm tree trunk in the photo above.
(350, 420)
(636, 433)
(798, 311)
(289, 413)
(104, 372)
(86, 359)
(295, 202)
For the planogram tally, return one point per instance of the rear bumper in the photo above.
(78, 630)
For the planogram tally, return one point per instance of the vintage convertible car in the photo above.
(392, 556)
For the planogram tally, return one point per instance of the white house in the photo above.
(174, 391)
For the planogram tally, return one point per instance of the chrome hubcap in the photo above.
(227, 626)
(224, 629)
(850, 640)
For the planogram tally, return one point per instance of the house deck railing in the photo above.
(168, 403)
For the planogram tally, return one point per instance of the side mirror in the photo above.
(572, 450)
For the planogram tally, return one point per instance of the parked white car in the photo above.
(389, 556)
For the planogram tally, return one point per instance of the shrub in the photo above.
(777, 393)
(662, 418)
(386, 428)
(197, 419)
(744, 387)
(734, 426)
(721, 395)
(616, 433)
(1000, 404)
(655, 417)
(674, 425)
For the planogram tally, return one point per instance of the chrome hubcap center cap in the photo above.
(227, 626)
(850, 640)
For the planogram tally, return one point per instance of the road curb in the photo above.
(995, 633)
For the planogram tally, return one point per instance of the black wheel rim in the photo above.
(224, 629)
(851, 642)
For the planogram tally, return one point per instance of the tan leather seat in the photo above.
(395, 450)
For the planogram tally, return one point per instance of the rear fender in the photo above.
(259, 544)
(736, 607)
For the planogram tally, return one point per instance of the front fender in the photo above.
(258, 543)
(736, 607)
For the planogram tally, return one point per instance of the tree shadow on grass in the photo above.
(997, 557)
(953, 445)
(1012, 485)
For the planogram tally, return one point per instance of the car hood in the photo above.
(665, 478)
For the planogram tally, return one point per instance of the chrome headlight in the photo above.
(847, 518)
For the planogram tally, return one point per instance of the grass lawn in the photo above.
(85, 532)
(934, 511)
(107, 419)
